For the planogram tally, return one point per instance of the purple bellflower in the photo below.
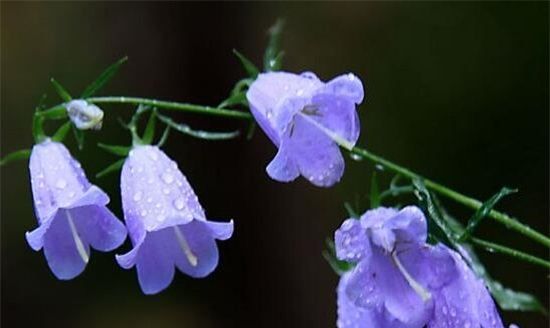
(307, 119)
(167, 225)
(400, 281)
(71, 212)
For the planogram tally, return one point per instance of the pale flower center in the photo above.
(77, 241)
(192, 258)
(424, 294)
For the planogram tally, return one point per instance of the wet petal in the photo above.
(61, 250)
(338, 115)
(318, 158)
(351, 241)
(353, 316)
(347, 85)
(99, 227)
(465, 301)
(155, 267)
(282, 168)
(203, 247)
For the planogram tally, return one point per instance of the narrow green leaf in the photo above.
(340, 267)
(236, 99)
(249, 67)
(15, 156)
(115, 149)
(251, 129)
(61, 133)
(55, 113)
(111, 168)
(241, 86)
(79, 137)
(506, 298)
(484, 210)
(61, 91)
(149, 133)
(164, 136)
(351, 211)
(103, 78)
(374, 191)
(185, 129)
(37, 128)
(272, 55)
(442, 229)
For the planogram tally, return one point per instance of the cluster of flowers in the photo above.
(398, 280)
(166, 223)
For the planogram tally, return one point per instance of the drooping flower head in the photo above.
(71, 212)
(307, 119)
(167, 225)
(401, 281)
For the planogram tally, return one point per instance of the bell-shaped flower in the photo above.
(71, 212)
(85, 116)
(401, 281)
(307, 119)
(167, 225)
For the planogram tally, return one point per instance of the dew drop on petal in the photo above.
(61, 184)
(143, 213)
(179, 203)
(167, 178)
(137, 196)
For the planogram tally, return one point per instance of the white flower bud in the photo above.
(85, 116)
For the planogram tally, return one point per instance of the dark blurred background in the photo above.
(456, 91)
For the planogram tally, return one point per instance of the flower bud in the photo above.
(85, 116)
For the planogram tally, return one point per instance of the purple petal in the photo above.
(465, 301)
(348, 86)
(282, 168)
(390, 228)
(378, 283)
(337, 114)
(57, 179)
(269, 90)
(155, 191)
(220, 230)
(202, 245)
(351, 241)
(318, 158)
(99, 227)
(61, 251)
(155, 267)
(353, 316)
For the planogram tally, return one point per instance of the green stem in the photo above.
(172, 106)
(492, 247)
(475, 204)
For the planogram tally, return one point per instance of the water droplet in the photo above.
(153, 155)
(149, 199)
(143, 213)
(355, 157)
(137, 196)
(299, 92)
(166, 191)
(167, 178)
(61, 184)
(179, 203)
(71, 194)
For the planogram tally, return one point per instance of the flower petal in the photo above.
(378, 283)
(202, 245)
(465, 301)
(155, 267)
(220, 230)
(61, 250)
(353, 316)
(351, 241)
(347, 85)
(318, 158)
(282, 168)
(338, 115)
(99, 227)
